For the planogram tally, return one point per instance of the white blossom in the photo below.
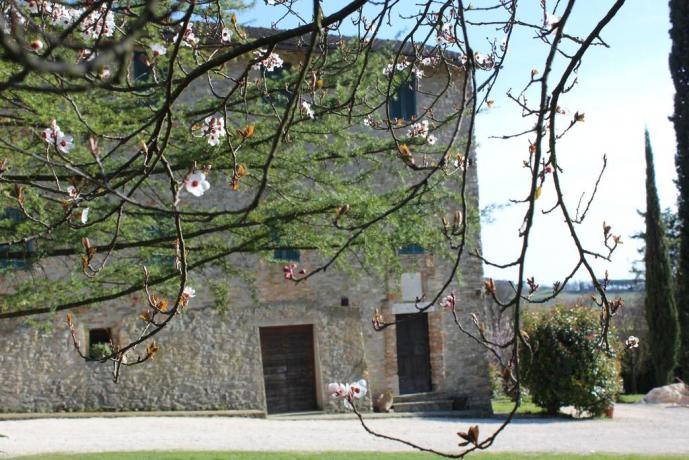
(188, 38)
(84, 216)
(552, 22)
(64, 143)
(401, 65)
(632, 342)
(430, 61)
(226, 36)
(51, 134)
(214, 128)
(348, 392)
(196, 184)
(157, 49)
(99, 23)
(431, 139)
(419, 129)
(189, 292)
(445, 35)
(73, 192)
(306, 110)
(272, 62)
(54, 136)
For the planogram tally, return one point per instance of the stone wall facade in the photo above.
(212, 360)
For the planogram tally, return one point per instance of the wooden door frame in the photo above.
(428, 352)
(316, 359)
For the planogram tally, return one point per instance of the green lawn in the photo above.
(630, 398)
(504, 405)
(326, 455)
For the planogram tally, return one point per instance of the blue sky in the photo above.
(621, 90)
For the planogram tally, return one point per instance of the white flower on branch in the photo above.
(631, 342)
(214, 128)
(196, 184)
(430, 61)
(157, 49)
(272, 62)
(60, 16)
(431, 139)
(99, 23)
(445, 35)
(73, 192)
(65, 143)
(552, 22)
(188, 38)
(348, 392)
(306, 110)
(55, 136)
(226, 36)
(419, 129)
(189, 292)
(449, 301)
(483, 62)
(401, 65)
(51, 134)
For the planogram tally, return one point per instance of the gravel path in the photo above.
(635, 429)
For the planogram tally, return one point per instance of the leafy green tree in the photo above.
(679, 69)
(661, 310)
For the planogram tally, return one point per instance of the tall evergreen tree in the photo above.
(679, 68)
(661, 310)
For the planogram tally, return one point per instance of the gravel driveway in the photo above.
(635, 429)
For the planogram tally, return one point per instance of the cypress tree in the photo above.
(679, 69)
(661, 310)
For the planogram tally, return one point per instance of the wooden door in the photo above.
(413, 359)
(288, 368)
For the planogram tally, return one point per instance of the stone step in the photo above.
(423, 406)
(414, 397)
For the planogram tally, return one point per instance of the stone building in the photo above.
(274, 347)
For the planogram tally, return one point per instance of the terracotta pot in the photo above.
(609, 411)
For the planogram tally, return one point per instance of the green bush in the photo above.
(565, 365)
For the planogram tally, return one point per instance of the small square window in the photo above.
(411, 249)
(100, 343)
(402, 104)
(291, 255)
(21, 253)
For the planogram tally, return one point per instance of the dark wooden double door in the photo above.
(413, 353)
(288, 368)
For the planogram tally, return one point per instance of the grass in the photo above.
(504, 405)
(629, 399)
(329, 455)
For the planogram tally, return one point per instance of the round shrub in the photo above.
(565, 365)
